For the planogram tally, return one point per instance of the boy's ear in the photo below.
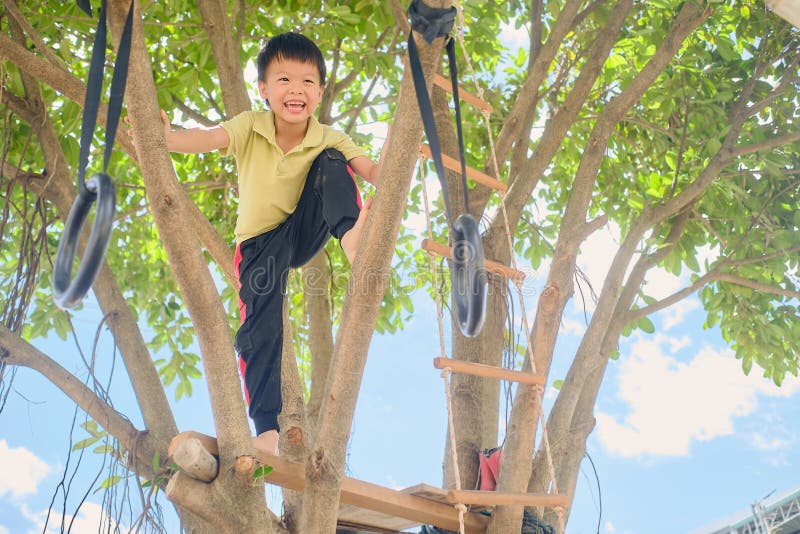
(262, 89)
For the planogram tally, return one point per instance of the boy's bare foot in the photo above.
(267, 441)
(350, 238)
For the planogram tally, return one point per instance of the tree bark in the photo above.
(316, 281)
(294, 425)
(225, 49)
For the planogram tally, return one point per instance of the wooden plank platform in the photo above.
(358, 493)
(474, 174)
(488, 371)
(492, 266)
(497, 498)
(355, 517)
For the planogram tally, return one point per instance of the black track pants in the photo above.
(329, 205)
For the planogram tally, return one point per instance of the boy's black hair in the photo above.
(292, 46)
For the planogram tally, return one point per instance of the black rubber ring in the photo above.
(101, 188)
(468, 276)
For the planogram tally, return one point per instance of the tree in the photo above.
(675, 121)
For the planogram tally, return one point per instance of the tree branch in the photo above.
(758, 286)
(765, 257)
(23, 354)
(769, 144)
(59, 189)
(59, 79)
(192, 114)
(226, 56)
(707, 225)
(16, 14)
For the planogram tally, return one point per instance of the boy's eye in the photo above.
(309, 82)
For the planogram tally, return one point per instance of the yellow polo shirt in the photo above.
(271, 181)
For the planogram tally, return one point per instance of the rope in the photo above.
(420, 162)
(446, 372)
(529, 350)
(461, 508)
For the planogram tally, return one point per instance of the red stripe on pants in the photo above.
(237, 259)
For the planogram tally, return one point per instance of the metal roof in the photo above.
(771, 515)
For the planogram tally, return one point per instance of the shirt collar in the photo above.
(264, 125)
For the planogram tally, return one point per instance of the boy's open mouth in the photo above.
(294, 105)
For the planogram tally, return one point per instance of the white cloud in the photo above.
(3, 530)
(89, 519)
(570, 326)
(772, 436)
(676, 314)
(596, 255)
(672, 404)
(514, 38)
(22, 471)
(660, 284)
(609, 527)
(678, 343)
(769, 443)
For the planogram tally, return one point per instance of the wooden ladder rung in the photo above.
(488, 371)
(492, 266)
(476, 175)
(497, 498)
(466, 96)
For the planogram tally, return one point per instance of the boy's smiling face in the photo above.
(293, 90)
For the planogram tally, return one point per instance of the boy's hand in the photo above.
(166, 124)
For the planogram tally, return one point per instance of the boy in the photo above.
(295, 190)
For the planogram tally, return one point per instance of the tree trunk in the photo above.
(167, 202)
(293, 423)
(589, 362)
(316, 281)
(368, 282)
(558, 290)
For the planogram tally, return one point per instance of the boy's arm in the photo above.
(368, 169)
(365, 168)
(194, 140)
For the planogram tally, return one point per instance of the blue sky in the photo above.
(683, 437)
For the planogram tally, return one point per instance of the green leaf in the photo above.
(261, 471)
(647, 325)
(82, 444)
